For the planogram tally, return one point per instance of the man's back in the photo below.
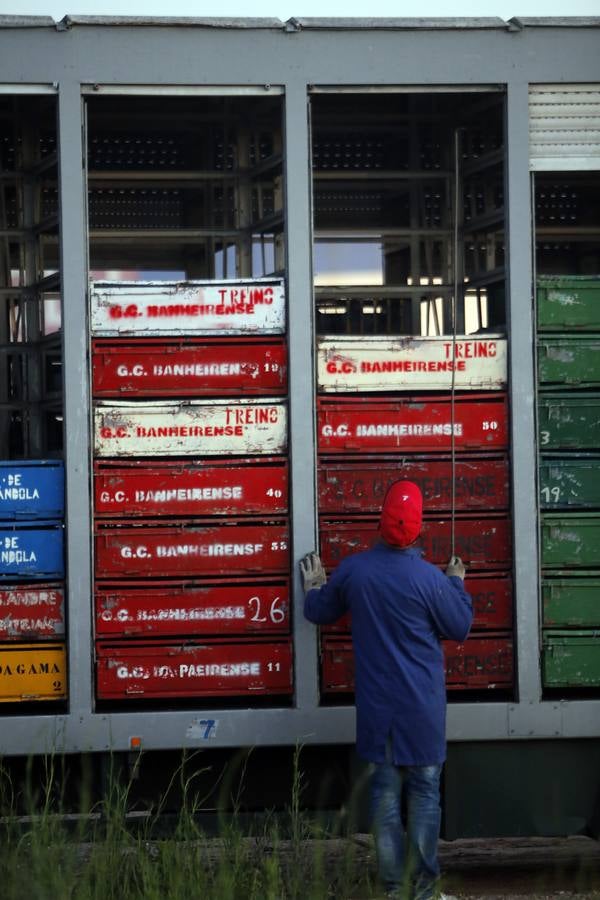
(401, 606)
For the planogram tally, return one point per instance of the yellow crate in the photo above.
(32, 672)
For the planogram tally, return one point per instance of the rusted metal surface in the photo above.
(32, 611)
(31, 550)
(196, 428)
(480, 662)
(193, 307)
(31, 489)
(193, 670)
(190, 489)
(188, 549)
(213, 367)
(32, 672)
(158, 609)
(480, 542)
(411, 364)
(415, 425)
(360, 485)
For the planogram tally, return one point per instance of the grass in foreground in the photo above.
(48, 857)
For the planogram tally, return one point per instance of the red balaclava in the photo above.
(401, 514)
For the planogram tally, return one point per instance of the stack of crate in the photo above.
(32, 621)
(394, 426)
(191, 490)
(568, 320)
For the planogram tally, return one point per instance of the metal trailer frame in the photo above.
(195, 56)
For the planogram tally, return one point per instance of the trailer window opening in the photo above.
(186, 184)
(394, 190)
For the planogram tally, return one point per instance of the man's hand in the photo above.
(312, 572)
(456, 567)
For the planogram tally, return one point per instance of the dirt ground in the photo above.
(537, 868)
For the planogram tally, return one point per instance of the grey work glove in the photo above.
(312, 572)
(456, 567)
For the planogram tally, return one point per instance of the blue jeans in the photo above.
(407, 856)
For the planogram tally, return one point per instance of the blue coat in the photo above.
(401, 606)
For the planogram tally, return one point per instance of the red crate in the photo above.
(35, 611)
(159, 609)
(492, 597)
(360, 485)
(188, 368)
(480, 662)
(166, 670)
(337, 666)
(184, 549)
(422, 424)
(480, 542)
(182, 488)
(491, 593)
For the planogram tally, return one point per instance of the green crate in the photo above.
(568, 303)
(569, 421)
(571, 659)
(570, 540)
(569, 482)
(567, 361)
(571, 599)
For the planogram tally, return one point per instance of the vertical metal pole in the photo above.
(73, 265)
(301, 374)
(519, 228)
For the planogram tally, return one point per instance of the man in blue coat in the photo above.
(401, 607)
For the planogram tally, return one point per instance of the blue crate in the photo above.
(31, 550)
(31, 489)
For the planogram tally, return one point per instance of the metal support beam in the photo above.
(522, 390)
(301, 378)
(73, 263)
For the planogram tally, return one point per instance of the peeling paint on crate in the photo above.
(568, 360)
(571, 659)
(569, 482)
(198, 307)
(30, 550)
(570, 540)
(190, 489)
(563, 298)
(31, 489)
(360, 485)
(188, 368)
(200, 428)
(182, 549)
(571, 599)
(411, 364)
(191, 609)
(200, 670)
(478, 541)
(569, 421)
(481, 662)
(428, 424)
(568, 303)
(32, 611)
